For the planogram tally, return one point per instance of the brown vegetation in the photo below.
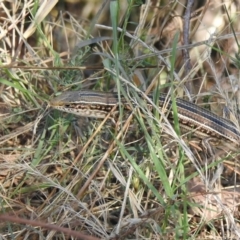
(135, 178)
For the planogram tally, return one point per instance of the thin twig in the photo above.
(69, 232)
(186, 42)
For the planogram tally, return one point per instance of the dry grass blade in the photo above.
(44, 9)
(17, 132)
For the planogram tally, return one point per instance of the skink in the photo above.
(96, 104)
